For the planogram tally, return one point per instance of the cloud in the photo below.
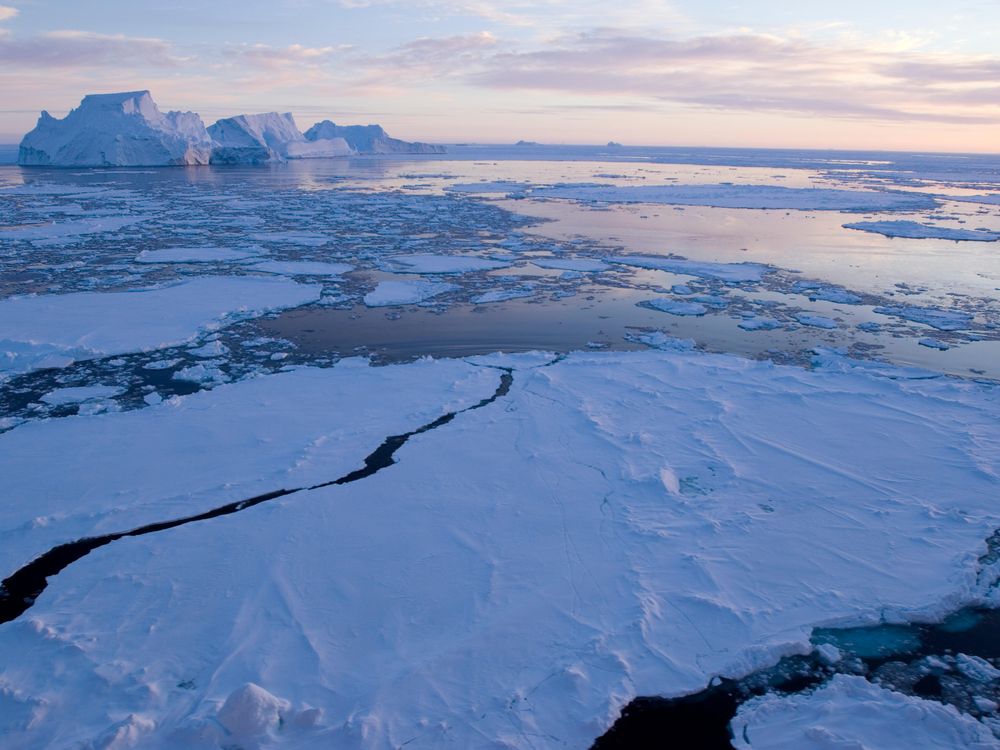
(7, 13)
(74, 49)
(294, 55)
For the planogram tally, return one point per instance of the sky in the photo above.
(864, 74)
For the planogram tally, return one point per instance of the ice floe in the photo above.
(943, 320)
(205, 254)
(84, 325)
(916, 230)
(302, 268)
(619, 524)
(406, 292)
(850, 712)
(676, 307)
(428, 263)
(729, 272)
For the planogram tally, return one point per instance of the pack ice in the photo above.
(125, 129)
(617, 524)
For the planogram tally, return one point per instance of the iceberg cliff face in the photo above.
(124, 129)
(256, 139)
(369, 139)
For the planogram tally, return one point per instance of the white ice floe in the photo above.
(584, 265)
(204, 254)
(84, 325)
(935, 317)
(932, 343)
(619, 524)
(125, 129)
(406, 292)
(502, 295)
(676, 307)
(428, 263)
(817, 290)
(745, 196)
(63, 396)
(816, 321)
(734, 273)
(916, 230)
(302, 268)
(851, 713)
(63, 232)
(758, 323)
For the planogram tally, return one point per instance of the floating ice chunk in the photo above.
(816, 321)
(63, 396)
(870, 326)
(932, 343)
(760, 324)
(584, 265)
(302, 268)
(207, 254)
(745, 196)
(850, 712)
(292, 237)
(935, 317)
(836, 360)
(124, 129)
(976, 668)
(501, 295)
(818, 291)
(428, 263)
(729, 272)
(676, 307)
(57, 232)
(407, 292)
(83, 325)
(916, 230)
(201, 374)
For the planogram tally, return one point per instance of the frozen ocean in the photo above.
(507, 447)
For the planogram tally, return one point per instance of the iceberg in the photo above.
(368, 139)
(109, 130)
(258, 139)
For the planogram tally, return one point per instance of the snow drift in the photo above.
(125, 129)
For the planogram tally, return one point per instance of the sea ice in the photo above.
(816, 321)
(585, 265)
(427, 263)
(676, 307)
(63, 396)
(935, 317)
(406, 292)
(206, 254)
(84, 325)
(760, 324)
(850, 712)
(502, 295)
(733, 273)
(618, 524)
(916, 230)
(302, 268)
(745, 196)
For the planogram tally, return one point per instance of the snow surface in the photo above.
(744, 196)
(84, 325)
(428, 263)
(290, 429)
(619, 524)
(124, 129)
(407, 292)
(734, 273)
(916, 230)
(206, 254)
(851, 713)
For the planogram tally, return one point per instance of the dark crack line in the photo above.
(19, 592)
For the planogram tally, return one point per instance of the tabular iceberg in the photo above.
(125, 129)
(368, 139)
(256, 139)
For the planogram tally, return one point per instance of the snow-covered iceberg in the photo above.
(256, 139)
(125, 129)
(368, 139)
